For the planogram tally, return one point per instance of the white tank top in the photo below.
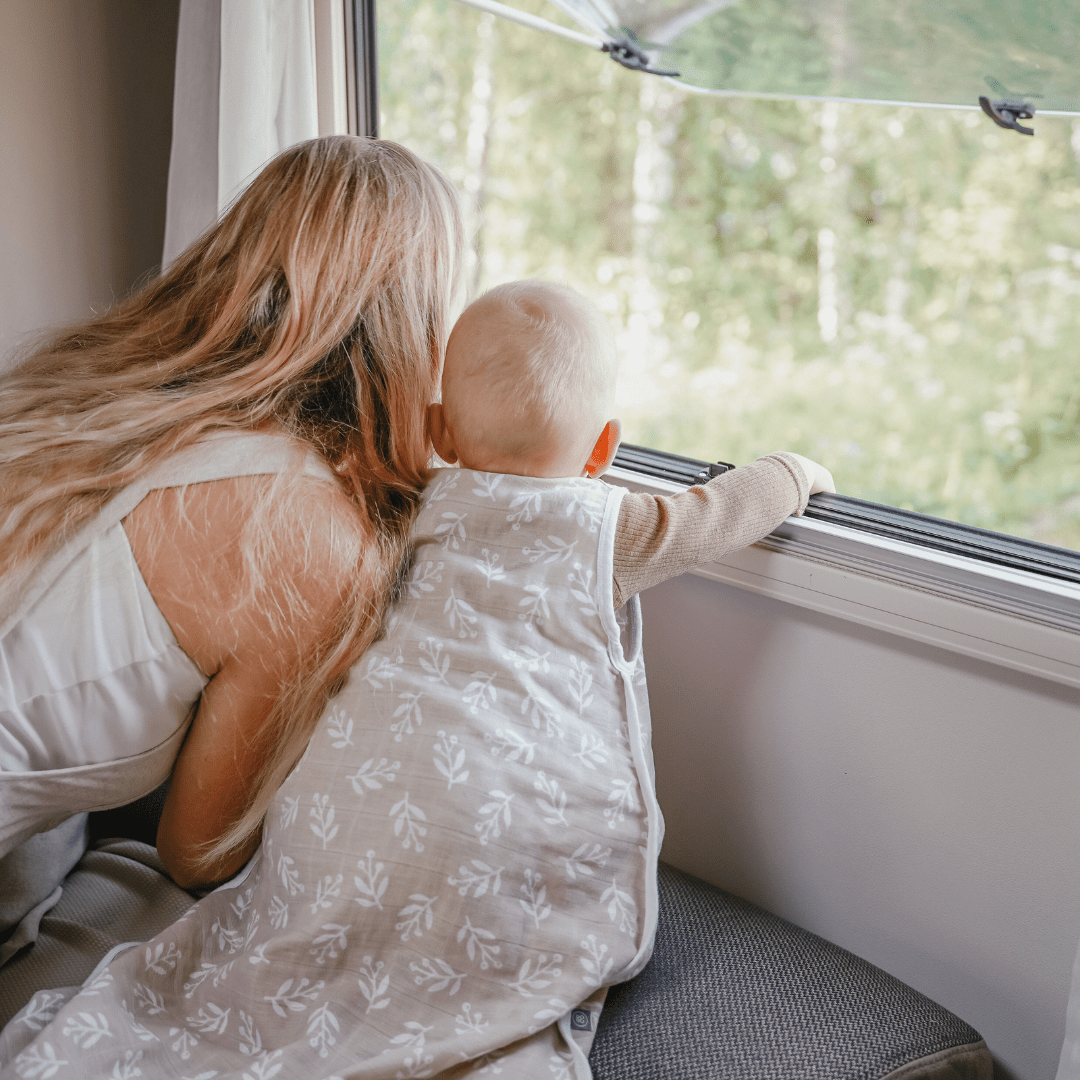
(95, 692)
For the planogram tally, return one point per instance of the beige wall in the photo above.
(85, 123)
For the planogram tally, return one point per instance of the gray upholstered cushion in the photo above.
(734, 993)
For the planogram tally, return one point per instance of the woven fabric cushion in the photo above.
(734, 993)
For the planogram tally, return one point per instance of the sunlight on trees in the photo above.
(893, 291)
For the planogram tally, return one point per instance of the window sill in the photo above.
(1015, 618)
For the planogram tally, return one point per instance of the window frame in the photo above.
(982, 593)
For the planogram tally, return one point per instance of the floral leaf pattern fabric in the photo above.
(462, 862)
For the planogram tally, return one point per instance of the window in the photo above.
(892, 290)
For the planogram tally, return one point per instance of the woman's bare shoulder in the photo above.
(232, 572)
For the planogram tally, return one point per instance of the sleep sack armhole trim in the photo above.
(605, 572)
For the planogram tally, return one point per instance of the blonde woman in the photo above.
(204, 499)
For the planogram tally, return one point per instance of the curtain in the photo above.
(252, 77)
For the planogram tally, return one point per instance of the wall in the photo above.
(915, 806)
(85, 125)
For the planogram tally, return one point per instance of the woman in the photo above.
(204, 497)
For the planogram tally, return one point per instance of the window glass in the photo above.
(894, 291)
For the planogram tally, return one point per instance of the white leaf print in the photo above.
(99, 984)
(423, 579)
(583, 860)
(580, 684)
(480, 879)
(449, 760)
(215, 972)
(409, 712)
(583, 512)
(554, 1009)
(433, 661)
(373, 984)
(151, 1001)
(161, 959)
(258, 954)
(127, 1069)
(279, 913)
(369, 883)
(495, 816)
(86, 1029)
(40, 1010)
(468, 1022)
(535, 604)
(40, 1061)
(381, 669)
(265, 1066)
(477, 945)
(451, 532)
(340, 728)
(513, 746)
(405, 817)
(490, 566)
(461, 615)
(371, 776)
(596, 962)
(536, 975)
(623, 799)
(486, 485)
(561, 1066)
(551, 550)
(593, 752)
(330, 943)
(541, 712)
(290, 878)
(210, 1018)
(553, 806)
(322, 1030)
(250, 1038)
(528, 659)
(140, 1031)
(227, 938)
(413, 1036)
(287, 999)
(325, 890)
(439, 974)
(323, 826)
(414, 914)
(526, 505)
(581, 589)
(242, 903)
(621, 908)
(438, 491)
(480, 694)
(535, 892)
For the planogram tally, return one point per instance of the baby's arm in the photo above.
(660, 536)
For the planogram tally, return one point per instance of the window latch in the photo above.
(711, 470)
(625, 49)
(1006, 113)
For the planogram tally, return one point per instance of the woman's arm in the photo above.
(188, 545)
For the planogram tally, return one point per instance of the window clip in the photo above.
(1006, 113)
(714, 469)
(624, 49)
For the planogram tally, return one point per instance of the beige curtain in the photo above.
(252, 77)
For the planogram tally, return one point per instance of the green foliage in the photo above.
(893, 291)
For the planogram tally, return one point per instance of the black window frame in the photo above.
(859, 515)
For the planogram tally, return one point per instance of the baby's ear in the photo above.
(439, 434)
(603, 453)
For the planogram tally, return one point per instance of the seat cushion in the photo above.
(734, 993)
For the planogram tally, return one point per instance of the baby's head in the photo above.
(529, 385)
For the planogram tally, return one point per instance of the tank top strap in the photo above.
(219, 456)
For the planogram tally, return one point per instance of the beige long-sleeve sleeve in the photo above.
(660, 536)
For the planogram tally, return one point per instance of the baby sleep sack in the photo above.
(464, 859)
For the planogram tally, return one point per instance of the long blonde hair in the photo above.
(320, 303)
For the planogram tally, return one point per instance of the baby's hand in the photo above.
(818, 477)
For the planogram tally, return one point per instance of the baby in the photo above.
(465, 859)
(529, 388)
